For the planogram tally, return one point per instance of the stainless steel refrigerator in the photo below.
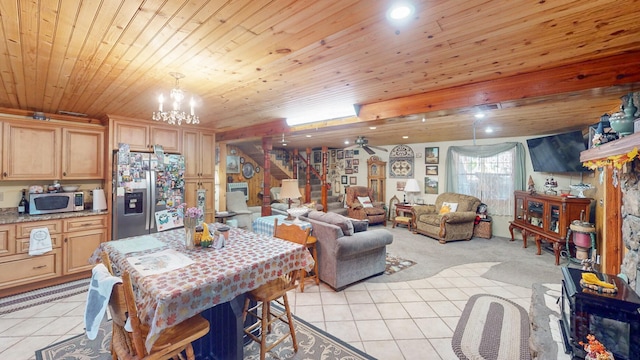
(144, 183)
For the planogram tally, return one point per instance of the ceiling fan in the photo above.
(363, 143)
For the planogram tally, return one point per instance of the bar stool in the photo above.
(311, 245)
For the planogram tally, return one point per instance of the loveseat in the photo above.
(450, 218)
(347, 250)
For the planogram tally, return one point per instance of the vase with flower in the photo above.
(595, 350)
(191, 218)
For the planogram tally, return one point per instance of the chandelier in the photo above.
(176, 115)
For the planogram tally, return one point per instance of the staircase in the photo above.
(333, 204)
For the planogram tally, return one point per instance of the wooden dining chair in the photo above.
(276, 291)
(127, 345)
(295, 234)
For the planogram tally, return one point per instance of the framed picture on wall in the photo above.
(343, 179)
(355, 169)
(431, 185)
(317, 156)
(431, 155)
(340, 154)
(431, 170)
(353, 180)
(233, 164)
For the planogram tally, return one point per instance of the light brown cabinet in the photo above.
(31, 152)
(82, 154)
(73, 240)
(44, 151)
(190, 195)
(199, 151)
(547, 217)
(143, 137)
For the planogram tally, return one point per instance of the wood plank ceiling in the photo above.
(543, 67)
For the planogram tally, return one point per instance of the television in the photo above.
(558, 153)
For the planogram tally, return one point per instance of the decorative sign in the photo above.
(401, 160)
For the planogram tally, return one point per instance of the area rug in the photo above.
(41, 296)
(492, 328)
(313, 343)
(395, 264)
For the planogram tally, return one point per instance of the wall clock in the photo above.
(247, 170)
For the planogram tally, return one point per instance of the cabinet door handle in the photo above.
(4, 173)
(64, 173)
(65, 239)
(39, 267)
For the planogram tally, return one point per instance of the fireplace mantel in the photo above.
(612, 148)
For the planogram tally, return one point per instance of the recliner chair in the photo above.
(244, 214)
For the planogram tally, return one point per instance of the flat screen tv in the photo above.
(557, 153)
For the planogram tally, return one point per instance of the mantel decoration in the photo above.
(615, 160)
(175, 115)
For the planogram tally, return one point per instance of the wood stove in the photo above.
(613, 318)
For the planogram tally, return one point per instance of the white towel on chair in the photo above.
(39, 241)
(98, 298)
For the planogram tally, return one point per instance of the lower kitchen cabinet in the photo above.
(73, 240)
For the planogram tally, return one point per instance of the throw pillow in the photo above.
(448, 207)
(359, 225)
(365, 201)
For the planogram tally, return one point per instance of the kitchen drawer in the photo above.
(85, 223)
(22, 245)
(23, 269)
(24, 229)
(7, 240)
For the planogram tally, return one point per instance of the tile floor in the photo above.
(393, 320)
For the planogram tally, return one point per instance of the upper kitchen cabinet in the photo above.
(143, 137)
(199, 151)
(31, 152)
(82, 154)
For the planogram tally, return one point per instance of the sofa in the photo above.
(451, 218)
(360, 205)
(348, 251)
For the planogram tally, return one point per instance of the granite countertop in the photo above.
(10, 216)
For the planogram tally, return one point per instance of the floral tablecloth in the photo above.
(216, 276)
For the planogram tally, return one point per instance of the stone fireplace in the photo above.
(630, 187)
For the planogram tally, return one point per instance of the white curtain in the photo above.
(490, 173)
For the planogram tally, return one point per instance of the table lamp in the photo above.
(411, 187)
(290, 191)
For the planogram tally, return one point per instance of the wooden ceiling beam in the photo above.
(271, 128)
(609, 71)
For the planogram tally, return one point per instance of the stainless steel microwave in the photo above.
(55, 202)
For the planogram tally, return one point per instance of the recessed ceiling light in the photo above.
(308, 135)
(346, 142)
(488, 130)
(372, 127)
(400, 11)
(423, 119)
(405, 137)
(479, 115)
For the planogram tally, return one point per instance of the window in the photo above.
(491, 176)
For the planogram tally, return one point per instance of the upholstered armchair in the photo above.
(450, 218)
(244, 214)
(360, 206)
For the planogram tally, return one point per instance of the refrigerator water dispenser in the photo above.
(133, 203)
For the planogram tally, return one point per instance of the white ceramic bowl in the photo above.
(70, 188)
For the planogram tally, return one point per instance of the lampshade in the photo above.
(290, 189)
(412, 186)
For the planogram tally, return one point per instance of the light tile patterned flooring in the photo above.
(394, 320)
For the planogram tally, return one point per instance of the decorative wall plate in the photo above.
(247, 170)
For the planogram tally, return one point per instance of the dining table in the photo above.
(173, 283)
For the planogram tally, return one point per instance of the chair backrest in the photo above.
(291, 233)
(122, 306)
(274, 192)
(465, 202)
(353, 192)
(236, 201)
